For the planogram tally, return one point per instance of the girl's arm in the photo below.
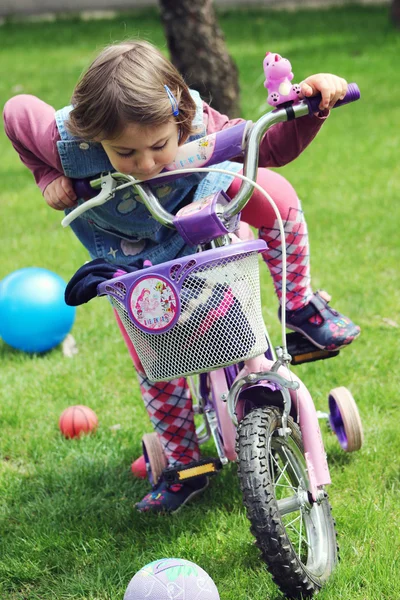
(281, 144)
(31, 127)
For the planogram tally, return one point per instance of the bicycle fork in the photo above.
(293, 391)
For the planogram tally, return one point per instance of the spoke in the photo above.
(282, 485)
(289, 461)
(290, 482)
(301, 529)
(282, 473)
(290, 524)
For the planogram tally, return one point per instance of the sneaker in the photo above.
(169, 498)
(322, 325)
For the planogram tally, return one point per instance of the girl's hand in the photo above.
(59, 194)
(331, 87)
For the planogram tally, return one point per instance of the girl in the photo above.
(130, 111)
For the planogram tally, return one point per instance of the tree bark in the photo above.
(395, 13)
(198, 51)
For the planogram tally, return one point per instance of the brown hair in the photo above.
(125, 84)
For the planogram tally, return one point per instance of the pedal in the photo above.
(205, 466)
(302, 350)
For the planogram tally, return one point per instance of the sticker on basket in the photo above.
(154, 304)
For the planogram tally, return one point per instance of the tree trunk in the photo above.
(395, 13)
(198, 51)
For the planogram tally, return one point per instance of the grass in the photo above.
(68, 529)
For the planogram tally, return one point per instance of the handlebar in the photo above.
(286, 112)
(353, 94)
(83, 189)
(227, 144)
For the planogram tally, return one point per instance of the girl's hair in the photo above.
(125, 84)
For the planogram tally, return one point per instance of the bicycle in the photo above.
(206, 324)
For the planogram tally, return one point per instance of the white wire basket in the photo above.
(195, 314)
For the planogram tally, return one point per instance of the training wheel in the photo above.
(154, 456)
(344, 419)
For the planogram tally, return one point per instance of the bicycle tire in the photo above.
(298, 566)
(345, 419)
(155, 458)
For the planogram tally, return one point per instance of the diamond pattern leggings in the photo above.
(169, 404)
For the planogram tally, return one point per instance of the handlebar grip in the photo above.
(353, 94)
(83, 189)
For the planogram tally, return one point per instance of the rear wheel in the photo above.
(345, 420)
(296, 536)
(154, 456)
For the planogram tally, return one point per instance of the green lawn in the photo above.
(68, 528)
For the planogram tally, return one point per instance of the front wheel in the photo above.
(296, 536)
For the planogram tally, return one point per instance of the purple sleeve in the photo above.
(31, 127)
(281, 144)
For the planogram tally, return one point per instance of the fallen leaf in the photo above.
(390, 322)
(69, 347)
(116, 427)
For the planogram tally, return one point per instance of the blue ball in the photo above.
(33, 313)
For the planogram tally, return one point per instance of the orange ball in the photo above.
(76, 420)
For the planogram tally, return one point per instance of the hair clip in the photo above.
(173, 100)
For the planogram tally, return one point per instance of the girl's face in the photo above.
(143, 150)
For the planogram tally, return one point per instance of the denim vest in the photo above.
(122, 230)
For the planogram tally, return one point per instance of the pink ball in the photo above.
(76, 420)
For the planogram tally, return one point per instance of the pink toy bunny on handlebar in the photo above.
(278, 74)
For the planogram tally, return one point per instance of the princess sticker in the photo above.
(153, 304)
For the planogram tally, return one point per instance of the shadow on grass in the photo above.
(84, 492)
(80, 514)
(14, 355)
(338, 458)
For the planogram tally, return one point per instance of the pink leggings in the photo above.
(168, 403)
(259, 214)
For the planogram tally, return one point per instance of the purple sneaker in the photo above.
(322, 325)
(169, 498)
